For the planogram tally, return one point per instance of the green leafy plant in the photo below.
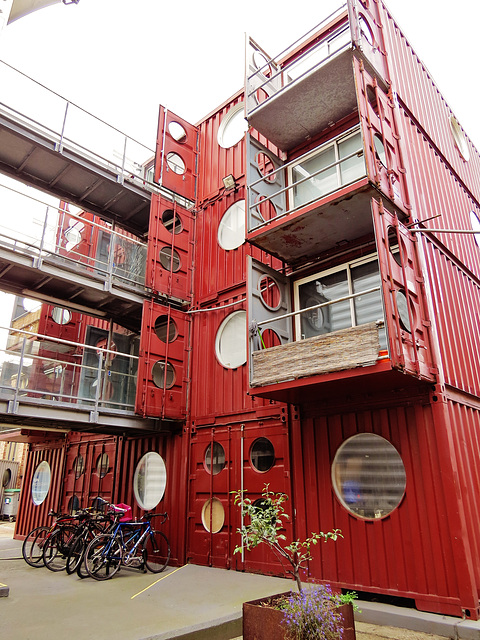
(265, 523)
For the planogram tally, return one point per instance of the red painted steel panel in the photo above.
(169, 251)
(176, 175)
(383, 154)
(417, 91)
(367, 34)
(414, 552)
(212, 547)
(162, 370)
(31, 515)
(456, 304)
(406, 314)
(433, 189)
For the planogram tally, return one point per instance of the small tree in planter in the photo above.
(313, 613)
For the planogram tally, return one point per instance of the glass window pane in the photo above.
(150, 480)
(262, 454)
(368, 308)
(231, 340)
(354, 168)
(315, 187)
(231, 230)
(331, 318)
(41, 482)
(368, 476)
(216, 464)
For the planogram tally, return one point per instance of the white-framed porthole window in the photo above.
(150, 480)
(459, 139)
(231, 340)
(326, 169)
(337, 284)
(368, 476)
(475, 222)
(231, 230)
(41, 482)
(233, 127)
(61, 316)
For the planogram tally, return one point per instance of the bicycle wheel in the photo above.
(156, 551)
(75, 554)
(55, 551)
(32, 547)
(103, 557)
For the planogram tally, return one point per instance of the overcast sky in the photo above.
(120, 59)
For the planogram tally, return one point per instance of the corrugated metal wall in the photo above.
(417, 91)
(414, 552)
(456, 303)
(29, 514)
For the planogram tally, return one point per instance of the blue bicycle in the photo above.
(131, 544)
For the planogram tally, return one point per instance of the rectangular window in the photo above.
(340, 308)
(328, 168)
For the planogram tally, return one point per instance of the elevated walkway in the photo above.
(52, 144)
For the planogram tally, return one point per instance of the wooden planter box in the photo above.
(261, 622)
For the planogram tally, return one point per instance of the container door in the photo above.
(161, 381)
(383, 155)
(176, 155)
(169, 251)
(406, 314)
(367, 35)
(210, 509)
(268, 302)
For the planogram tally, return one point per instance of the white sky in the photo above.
(120, 59)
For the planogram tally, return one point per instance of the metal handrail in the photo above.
(319, 306)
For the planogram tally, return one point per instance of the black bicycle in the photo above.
(34, 544)
(91, 524)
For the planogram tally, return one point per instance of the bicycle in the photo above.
(34, 544)
(90, 525)
(131, 544)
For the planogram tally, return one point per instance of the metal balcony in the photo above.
(49, 382)
(52, 144)
(60, 257)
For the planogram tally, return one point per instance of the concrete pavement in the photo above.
(188, 603)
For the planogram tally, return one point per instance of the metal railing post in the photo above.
(59, 145)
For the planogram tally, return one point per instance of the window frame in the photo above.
(345, 266)
(350, 133)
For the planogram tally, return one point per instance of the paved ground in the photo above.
(188, 603)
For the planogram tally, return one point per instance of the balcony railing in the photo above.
(68, 125)
(31, 226)
(38, 369)
(307, 179)
(270, 76)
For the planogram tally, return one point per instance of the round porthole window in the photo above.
(233, 127)
(73, 505)
(169, 259)
(177, 132)
(79, 466)
(61, 316)
(41, 482)
(150, 480)
(161, 378)
(231, 230)
(368, 476)
(402, 306)
(216, 462)
(366, 30)
(262, 455)
(165, 329)
(231, 340)
(102, 465)
(459, 139)
(475, 222)
(171, 221)
(270, 293)
(213, 515)
(175, 163)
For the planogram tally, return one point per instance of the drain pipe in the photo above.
(242, 437)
